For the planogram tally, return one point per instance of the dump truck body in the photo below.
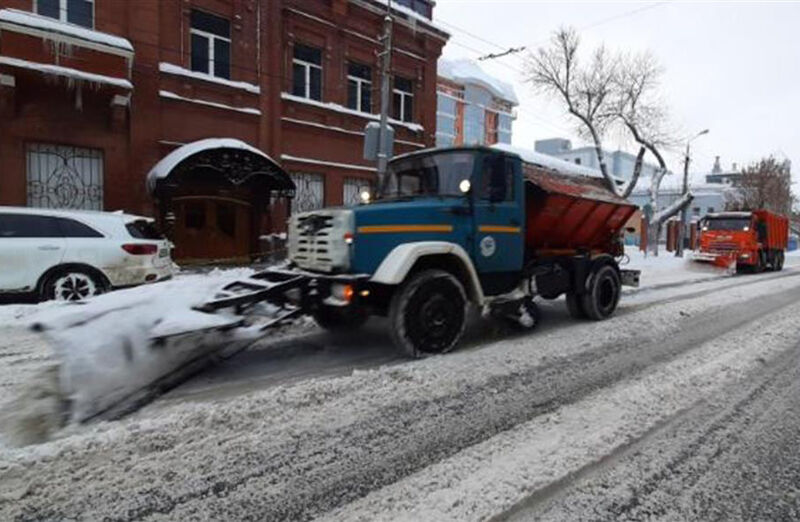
(754, 240)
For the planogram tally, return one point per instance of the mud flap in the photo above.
(630, 277)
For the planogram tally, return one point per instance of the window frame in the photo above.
(211, 47)
(63, 12)
(307, 66)
(403, 96)
(359, 81)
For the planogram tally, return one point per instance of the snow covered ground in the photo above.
(465, 436)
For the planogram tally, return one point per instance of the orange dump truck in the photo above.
(754, 240)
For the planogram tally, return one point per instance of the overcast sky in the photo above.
(731, 67)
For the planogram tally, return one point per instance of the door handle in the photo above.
(49, 247)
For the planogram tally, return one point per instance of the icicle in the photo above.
(79, 95)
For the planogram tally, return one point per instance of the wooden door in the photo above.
(209, 228)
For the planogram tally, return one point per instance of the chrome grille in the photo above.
(316, 240)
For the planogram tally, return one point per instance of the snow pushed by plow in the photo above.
(116, 351)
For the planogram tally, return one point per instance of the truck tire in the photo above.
(574, 306)
(428, 314)
(603, 292)
(779, 258)
(340, 319)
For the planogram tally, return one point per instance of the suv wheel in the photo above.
(72, 285)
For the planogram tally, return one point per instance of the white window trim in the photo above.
(359, 87)
(403, 96)
(307, 66)
(62, 12)
(211, 54)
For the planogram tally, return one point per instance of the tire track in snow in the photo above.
(420, 433)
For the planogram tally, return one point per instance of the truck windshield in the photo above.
(727, 224)
(429, 175)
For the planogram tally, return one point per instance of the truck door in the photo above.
(499, 217)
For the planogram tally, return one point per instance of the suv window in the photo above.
(25, 225)
(143, 229)
(72, 228)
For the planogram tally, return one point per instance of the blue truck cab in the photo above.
(448, 229)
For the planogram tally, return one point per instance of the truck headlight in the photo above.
(342, 292)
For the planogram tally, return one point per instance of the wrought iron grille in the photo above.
(310, 192)
(64, 177)
(352, 189)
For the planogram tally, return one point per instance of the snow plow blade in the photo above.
(118, 351)
(719, 260)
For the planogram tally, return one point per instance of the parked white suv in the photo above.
(71, 255)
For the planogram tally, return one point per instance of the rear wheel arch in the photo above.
(66, 267)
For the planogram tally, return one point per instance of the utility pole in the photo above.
(386, 91)
(684, 210)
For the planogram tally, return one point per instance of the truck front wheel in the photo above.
(603, 293)
(428, 314)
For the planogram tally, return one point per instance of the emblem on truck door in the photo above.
(488, 246)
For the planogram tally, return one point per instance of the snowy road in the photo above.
(679, 407)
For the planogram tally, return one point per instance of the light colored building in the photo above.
(473, 108)
(619, 163)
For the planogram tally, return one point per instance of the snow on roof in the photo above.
(544, 160)
(464, 71)
(731, 214)
(163, 168)
(9, 18)
(415, 16)
(66, 72)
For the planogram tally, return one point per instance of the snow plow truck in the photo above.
(489, 226)
(751, 241)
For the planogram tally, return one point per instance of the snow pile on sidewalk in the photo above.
(103, 349)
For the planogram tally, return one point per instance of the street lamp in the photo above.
(686, 160)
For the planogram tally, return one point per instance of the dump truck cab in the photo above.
(753, 240)
(450, 227)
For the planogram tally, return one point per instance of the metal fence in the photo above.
(64, 177)
(310, 192)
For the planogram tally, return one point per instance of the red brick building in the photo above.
(95, 93)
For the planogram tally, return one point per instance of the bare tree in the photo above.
(587, 90)
(765, 184)
(640, 110)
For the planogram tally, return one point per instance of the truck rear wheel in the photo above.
(603, 293)
(428, 314)
(574, 306)
(779, 258)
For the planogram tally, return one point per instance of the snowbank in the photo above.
(103, 350)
